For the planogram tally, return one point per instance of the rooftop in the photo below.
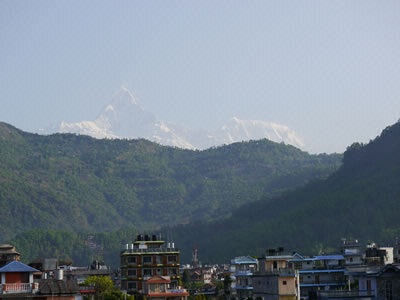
(19, 267)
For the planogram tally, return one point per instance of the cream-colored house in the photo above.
(276, 278)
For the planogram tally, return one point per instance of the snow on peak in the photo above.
(237, 130)
(123, 117)
(109, 108)
(122, 99)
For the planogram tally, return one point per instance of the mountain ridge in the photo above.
(101, 184)
(359, 200)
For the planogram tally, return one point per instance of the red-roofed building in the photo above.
(157, 287)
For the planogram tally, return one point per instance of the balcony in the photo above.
(244, 287)
(282, 272)
(18, 288)
(370, 294)
(243, 273)
(167, 292)
(326, 282)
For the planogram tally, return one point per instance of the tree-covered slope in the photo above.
(360, 200)
(80, 184)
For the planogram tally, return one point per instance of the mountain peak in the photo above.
(123, 117)
(122, 98)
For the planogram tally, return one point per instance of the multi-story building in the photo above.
(146, 257)
(276, 278)
(352, 253)
(321, 273)
(242, 268)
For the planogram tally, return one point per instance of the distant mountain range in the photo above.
(125, 118)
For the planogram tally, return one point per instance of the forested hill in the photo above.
(81, 184)
(360, 200)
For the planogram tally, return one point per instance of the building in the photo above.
(146, 257)
(20, 281)
(242, 268)
(58, 288)
(158, 288)
(201, 275)
(352, 253)
(383, 284)
(380, 256)
(8, 253)
(17, 280)
(321, 273)
(276, 278)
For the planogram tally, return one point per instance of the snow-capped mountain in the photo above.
(237, 130)
(125, 118)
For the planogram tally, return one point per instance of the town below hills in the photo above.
(274, 195)
(150, 268)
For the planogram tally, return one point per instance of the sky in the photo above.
(329, 70)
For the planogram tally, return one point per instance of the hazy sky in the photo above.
(330, 70)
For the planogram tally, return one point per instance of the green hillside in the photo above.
(360, 201)
(82, 185)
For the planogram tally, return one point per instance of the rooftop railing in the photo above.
(16, 288)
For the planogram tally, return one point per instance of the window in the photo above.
(131, 259)
(131, 272)
(298, 265)
(131, 285)
(369, 284)
(147, 259)
(172, 258)
(284, 282)
(172, 271)
(146, 272)
(158, 260)
(388, 290)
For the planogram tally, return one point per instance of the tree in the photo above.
(104, 287)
